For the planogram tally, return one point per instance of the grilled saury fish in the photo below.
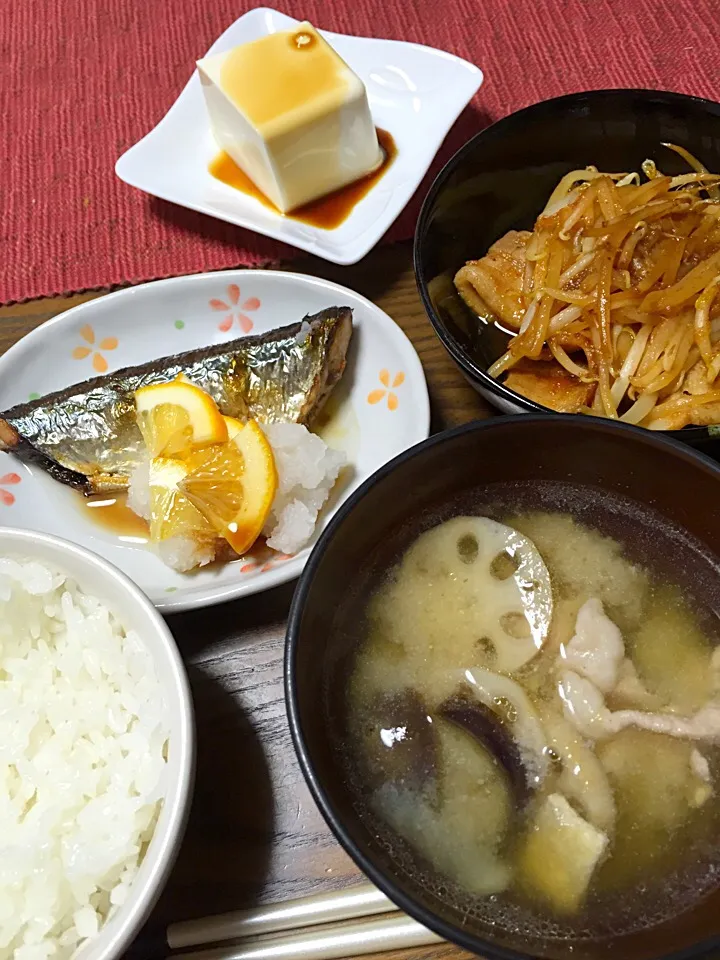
(86, 435)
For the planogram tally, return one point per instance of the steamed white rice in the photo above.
(83, 745)
(307, 471)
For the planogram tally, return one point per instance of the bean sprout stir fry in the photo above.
(618, 284)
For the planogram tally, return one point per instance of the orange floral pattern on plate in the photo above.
(260, 565)
(387, 389)
(228, 307)
(100, 364)
(7, 499)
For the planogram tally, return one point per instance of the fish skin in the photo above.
(86, 436)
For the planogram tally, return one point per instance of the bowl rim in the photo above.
(159, 857)
(407, 903)
(494, 131)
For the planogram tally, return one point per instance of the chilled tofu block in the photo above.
(292, 115)
(559, 855)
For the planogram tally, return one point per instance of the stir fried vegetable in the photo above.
(619, 285)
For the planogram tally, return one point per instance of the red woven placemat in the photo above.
(82, 81)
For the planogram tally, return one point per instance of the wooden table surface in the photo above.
(255, 835)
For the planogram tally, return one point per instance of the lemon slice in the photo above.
(177, 416)
(233, 427)
(233, 485)
(171, 513)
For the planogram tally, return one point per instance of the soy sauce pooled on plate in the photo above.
(111, 513)
(329, 211)
(533, 716)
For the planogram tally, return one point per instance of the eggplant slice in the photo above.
(485, 726)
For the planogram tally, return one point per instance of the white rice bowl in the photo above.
(85, 734)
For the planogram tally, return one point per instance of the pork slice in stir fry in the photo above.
(493, 284)
(547, 383)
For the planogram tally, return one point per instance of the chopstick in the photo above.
(330, 941)
(359, 901)
(324, 926)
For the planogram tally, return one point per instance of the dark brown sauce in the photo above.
(302, 40)
(111, 512)
(328, 212)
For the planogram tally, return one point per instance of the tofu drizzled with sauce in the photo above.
(292, 115)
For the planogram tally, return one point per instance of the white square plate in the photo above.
(416, 93)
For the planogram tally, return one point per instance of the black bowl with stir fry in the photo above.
(502, 678)
(569, 259)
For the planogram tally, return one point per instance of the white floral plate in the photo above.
(416, 93)
(379, 408)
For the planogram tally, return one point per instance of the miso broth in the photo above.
(533, 712)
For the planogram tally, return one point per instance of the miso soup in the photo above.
(533, 712)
